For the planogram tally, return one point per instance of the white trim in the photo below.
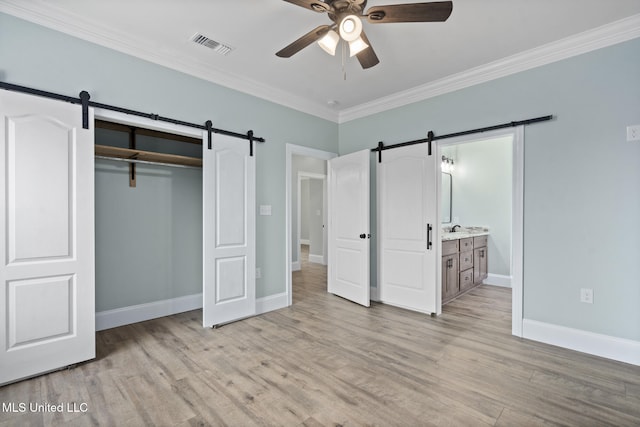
(316, 259)
(271, 302)
(620, 349)
(139, 313)
(305, 241)
(606, 35)
(295, 266)
(498, 280)
(373, 294)
(517, 233)
(587, 41)
(128, 119)
(290, 150)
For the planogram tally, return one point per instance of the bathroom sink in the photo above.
(464, 232)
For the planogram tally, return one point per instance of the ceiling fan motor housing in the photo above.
(347, 17)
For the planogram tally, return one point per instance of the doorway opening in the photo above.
(306, 211)
(148, 237)
(485, 190)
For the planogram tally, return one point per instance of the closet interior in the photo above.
(147, 149)
(148, 216)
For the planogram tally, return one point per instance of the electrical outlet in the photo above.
(258, 273)
(633, 133)
(586, 295)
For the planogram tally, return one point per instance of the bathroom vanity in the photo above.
(464, 262)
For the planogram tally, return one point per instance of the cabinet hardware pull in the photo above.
(429, 243)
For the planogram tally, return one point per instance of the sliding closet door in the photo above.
(349, 234)
(229, 217)
(47, 304)
(407, 217)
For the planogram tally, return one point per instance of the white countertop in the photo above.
(463, 234)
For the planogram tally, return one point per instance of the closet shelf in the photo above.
(147, 156)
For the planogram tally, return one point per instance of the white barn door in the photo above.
(349, 233)
(229, 218)
(407, 218)
(47, 314)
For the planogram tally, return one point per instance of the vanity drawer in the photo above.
(466, 244)
(449, 247)
(480, 241)
(466, 260)
(466, 279)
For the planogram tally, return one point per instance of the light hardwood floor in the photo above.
(326, 361)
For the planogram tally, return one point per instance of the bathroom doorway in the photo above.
(486, 191)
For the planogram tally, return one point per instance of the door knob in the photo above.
(363, 236)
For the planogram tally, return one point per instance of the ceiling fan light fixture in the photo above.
(357, 46)
(329, 42)
(350, 28)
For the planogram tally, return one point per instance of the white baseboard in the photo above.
(498, 280)
(271, 302)
(305, 241)
(295, 266)
(317, 259)
(373, 294)
(139, 313)
(620, 349)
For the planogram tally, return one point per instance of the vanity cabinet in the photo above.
(464, 265)
(480, 259)
(450, 275)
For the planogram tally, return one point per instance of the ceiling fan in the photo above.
(346, 15)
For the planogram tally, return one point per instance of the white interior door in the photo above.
(229, 218)
(407, 215)
(349, 234)
(47, 269)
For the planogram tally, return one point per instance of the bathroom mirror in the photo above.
(446, 193)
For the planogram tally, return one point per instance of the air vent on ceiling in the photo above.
(218, 47)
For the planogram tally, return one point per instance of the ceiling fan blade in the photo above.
(437, 11)
(367, 57)
(315, 5)
(303, 41)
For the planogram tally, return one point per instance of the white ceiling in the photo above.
(481, 40)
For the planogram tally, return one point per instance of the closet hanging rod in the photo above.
(83, 99)
(146, 162)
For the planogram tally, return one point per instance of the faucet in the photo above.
(453, 229)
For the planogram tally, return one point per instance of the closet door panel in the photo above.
(47, 224)
(39, 211)
(229, 231)
(407, 214)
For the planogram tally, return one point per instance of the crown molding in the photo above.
(48, 16)
(606, 35)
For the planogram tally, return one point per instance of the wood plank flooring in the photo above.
(325, 362)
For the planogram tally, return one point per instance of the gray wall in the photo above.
(482, 194)
(581, 178)
(35, 56)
